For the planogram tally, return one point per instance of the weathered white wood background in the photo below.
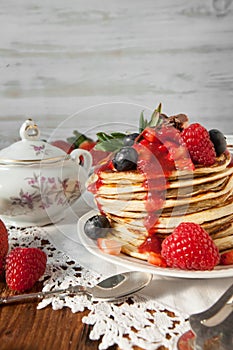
(58, 58)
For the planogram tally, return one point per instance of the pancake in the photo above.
(131, 240)
(223, 244)
(125, 192)
(213, 227)
(133, 181)
(215, 171)
(140, 202)
(133, 202)
(170, 222)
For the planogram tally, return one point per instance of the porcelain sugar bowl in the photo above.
(38, 181)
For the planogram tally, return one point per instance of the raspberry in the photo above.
(24, 266)
(4, 245)
(199, 145)
(190, 247)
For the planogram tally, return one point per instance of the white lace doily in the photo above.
(135, 321)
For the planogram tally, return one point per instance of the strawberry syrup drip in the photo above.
(153, 163)
(94, 187)
(160, 152)
(105, 167)
(151, 244)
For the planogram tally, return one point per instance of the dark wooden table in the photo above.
(23, 327)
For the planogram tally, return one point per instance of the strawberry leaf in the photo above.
(142, 122)
(155, 119)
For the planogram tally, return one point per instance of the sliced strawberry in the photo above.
(144, 153)
(149, 134)
(65, 146)
(227, 258)
(186, 341)
(87, 145)
(156, 259)
(98, 156)
(151, 244)
(109, 246)
(176, 151)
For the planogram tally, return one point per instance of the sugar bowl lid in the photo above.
(30, 148)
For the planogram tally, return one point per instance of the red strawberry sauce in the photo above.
(160, 152)
(94, 187)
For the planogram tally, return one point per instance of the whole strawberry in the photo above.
(190, 247)
(24, 266)
(199, 145)
(4, 245)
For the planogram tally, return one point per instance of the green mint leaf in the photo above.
(102, 136)
(109, 142)
(118, 135)
(109, 145)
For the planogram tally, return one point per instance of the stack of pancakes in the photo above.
(204, 196)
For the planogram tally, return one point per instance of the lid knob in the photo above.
(29, 130)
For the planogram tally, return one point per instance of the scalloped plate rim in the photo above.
(141, 265)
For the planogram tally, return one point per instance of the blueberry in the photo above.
(97, 227)
(128, 140)
(125, 159)
(218, 140)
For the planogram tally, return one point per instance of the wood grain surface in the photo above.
(23, 327)
(60, 57)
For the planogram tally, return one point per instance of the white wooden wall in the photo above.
(61, 56)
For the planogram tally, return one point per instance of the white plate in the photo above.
(229, 139)
(140, 265)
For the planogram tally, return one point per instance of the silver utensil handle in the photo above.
(41, 295)
(20, 298)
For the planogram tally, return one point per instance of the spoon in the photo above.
(110, 289)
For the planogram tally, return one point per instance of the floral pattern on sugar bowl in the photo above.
(39, 181)
(40, 150)
(45, 192)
